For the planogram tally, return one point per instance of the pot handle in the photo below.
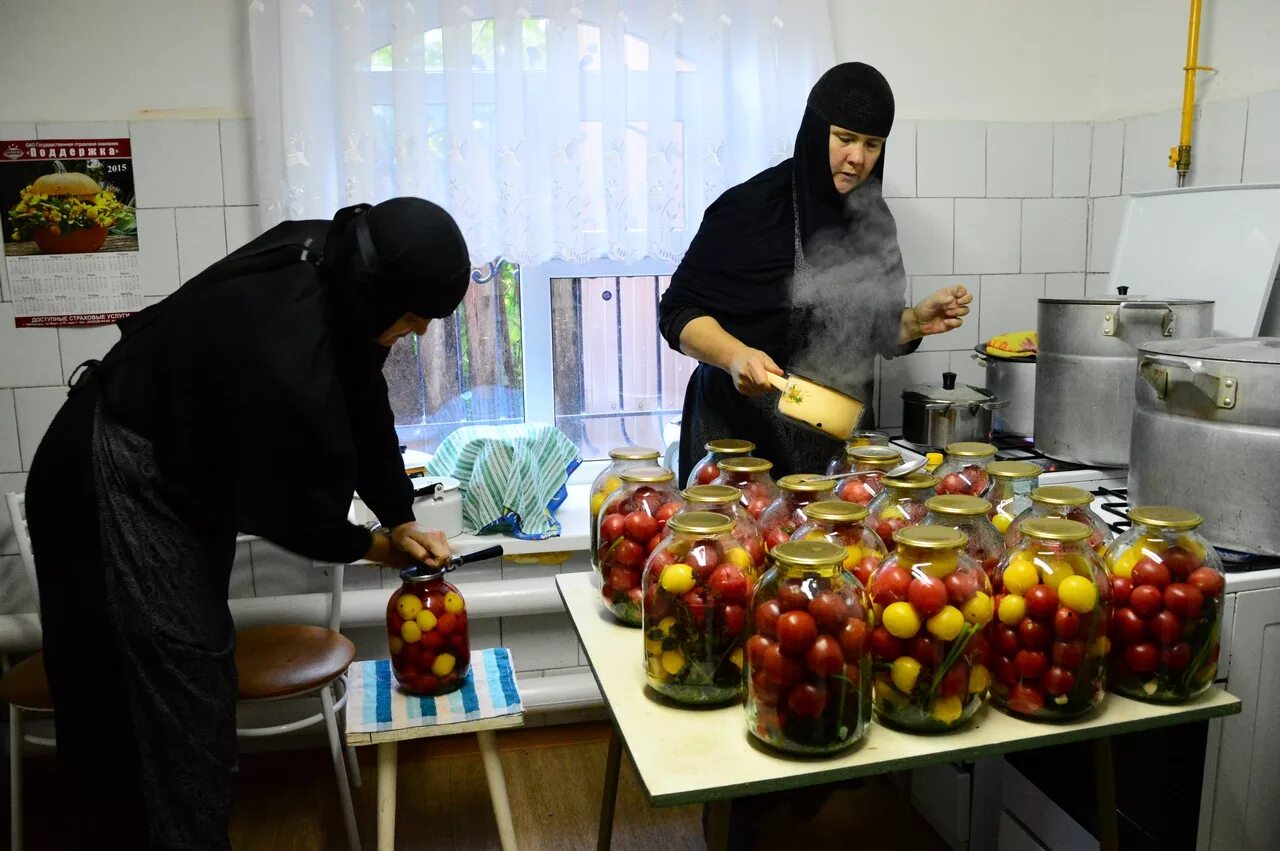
(1156, 371)
(982, 360)
(995, 404)
(1111, 321)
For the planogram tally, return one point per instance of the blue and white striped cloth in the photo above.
(377, 704)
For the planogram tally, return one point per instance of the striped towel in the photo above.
(378, 705)
(513, 477)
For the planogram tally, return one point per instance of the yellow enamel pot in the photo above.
(817, 406)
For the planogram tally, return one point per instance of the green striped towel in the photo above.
(513, 477)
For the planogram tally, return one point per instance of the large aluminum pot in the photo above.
(1085, 368)
(935, 415)
(1206, 436)
(1012, 380)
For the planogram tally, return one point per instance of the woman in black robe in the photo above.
(798, 268)
(251, 400)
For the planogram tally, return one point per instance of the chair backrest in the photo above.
(18, 514)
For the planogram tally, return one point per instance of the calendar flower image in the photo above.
(68, 212)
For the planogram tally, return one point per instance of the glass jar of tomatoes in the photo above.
(1166, 585)
(932, 604)
(1010, 494)
(781, 519)
(707, 470)
(808, 671)
(632, 520)
(899, 505)
(1049, 639)
(965, 469)
(871, 462)
(842, 523)
(696, 587)
(427, 633)
(969, 515)
(1066, 502)
(622, 458)
(750, 475)
(726, 500)
(842, 462)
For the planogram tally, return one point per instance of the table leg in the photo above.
(718, 824)
(497, 789)
(1104, 774)
(388, 759)
(609, 798)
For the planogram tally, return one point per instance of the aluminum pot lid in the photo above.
(1128, 299)
(947, 391)
(1264, 350)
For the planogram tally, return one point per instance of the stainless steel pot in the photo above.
(1206, 436)
(1085, 368)
(1012, 380)
(934, 415)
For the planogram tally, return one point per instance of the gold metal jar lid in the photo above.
(1165, 517)
(836, 511)
(883, 457)
(931, 537)
(958, 504)
(700, 523)
(715, 494)
(647, 475)
(634, 453)
(911, 482)
(806, 483)
(808, 553)
(1055, 529)
(1061, 495)
(730, 446)
(1014, 469)
(746, 464)
(969, 449)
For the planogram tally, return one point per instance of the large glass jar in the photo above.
(932, 604)
(969, 515)
(631, 524)
(1010, 494)
(965, 469)
(1062, 501)
(842, 463)
(697, 584)
(872, 462)
(841, 523)
(781, 519)
(726, 500)
(427, 633)
(1166, 585)
(622, 458)
(1049, 639)
(707, 470)
(750, 475)
(808, 672)
(899, 505)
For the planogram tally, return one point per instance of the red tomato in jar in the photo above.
(927, 595)
(611, 527)
(432, 640)
(1184, 600)
(796, 631)
(1066, 623)
(885, 528)
(824, 657)
(1059, 681)
(1207, 581)
(829, 611)
(925, 650)
(621, 579)
(708, 473)
(953, 483)
(640, 527)
(628, 553)
(1146, 600)
(426, 683)
(653, 543)
(448, 622)
(1031, 663)
(774, 537)
(730, 584)
(865, 568)
(807, 700)
(791, 596)
(1166, 627)
(667, 511)
(890, 585)
(649, 500)
(1068, 654)
(394, 622)
(1025, 700)
(1007, 642)
(766, 619)
(434, 603)
(1121, 587)
(1042, 602)
(732, 620)
(1141, 658)
(756, 645)
(696, 603)
(1180, 561)
(703, 558)
(1006, 672)
(781, 669)
(1035, 635)
(657, 604)
(1177, 657)
(853, 640)
(1127, 627)
(1148, 572)
(764, 690)
(955, 681)
(961, 586)
(413, 654)
(884, 645)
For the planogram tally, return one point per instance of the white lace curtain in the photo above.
(569, 129)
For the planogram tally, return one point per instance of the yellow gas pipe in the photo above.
(1180, 157)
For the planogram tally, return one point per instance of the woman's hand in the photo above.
(428, 546)
(750, 370)
(937, 313)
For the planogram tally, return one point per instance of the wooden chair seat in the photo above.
(284, 660)
(25, 685)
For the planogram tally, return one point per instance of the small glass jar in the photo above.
(1066, 502)
(1049, 639)
(622, 458)
(750, 475)
(842, 463)
(707, 470)
(427, 633)
(697, 584)
(969, 515)
(632, 521)
(1167, 590)
(873, 462)
(841, 523)
(726, 500)
(932, 604)
(965, 470)
(808, 666)
(781, 519)
(1010, 494)
(899, 505)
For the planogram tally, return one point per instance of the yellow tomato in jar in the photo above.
(395, 643)
(410, 632)
(979, 609)
(453, 602)
(408, 606)
(940, 564)
(1100, 647)
(1192, 546)
(1001, 522)
(946, 624)
(736, 657)
(1013, 608)
(1078, 594)
(1123, 565)
(425, 620)
(597, 502)
(738, 557)
(816, 535)
(443, 665)
(947, 709)
(677, 578)
(1021, 574)
(665, 624)
(904, 673)
(653, 646)
(1054, 570)
(979, 679)
(901, 620)
(852, 555)
(672, 662)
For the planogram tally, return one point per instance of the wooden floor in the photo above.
(287, 801)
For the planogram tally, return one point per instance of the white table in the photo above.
(686, 756)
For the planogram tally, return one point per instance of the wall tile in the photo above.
(236, 139)
(987, 235)
(158, 252)
(1106, 162)
(925, 233)
(28, 356)
(242, 226)
(18, 130)
(1019, 160)
(10, 457)
(9, 483)
(900, 161)
(1008, 304)
(1098, 284)
(1217, 148)
(1072, 148)
(4, 281)
(202, 239)
(1261, 153)
(16, 592)
(36, 407)
(544, 641)
(1054, 234)
(964, 337)
(1147, 139)
(484, 632)
(899, 373)
(81, 344)
(82, 130)
(177, 163)
(951, 159)
(967, 370)
(277, 571)
(1104, 231)
(358, 577)
(1064, 285)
